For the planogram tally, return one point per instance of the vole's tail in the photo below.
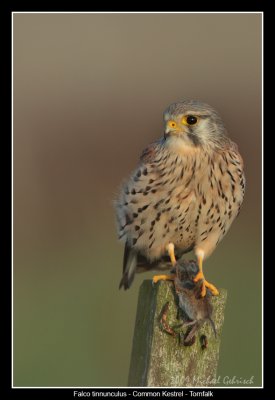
(213, 326)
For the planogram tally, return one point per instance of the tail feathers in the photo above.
(129, 267)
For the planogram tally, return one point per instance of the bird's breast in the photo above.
(176, 198)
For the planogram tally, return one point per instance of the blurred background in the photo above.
(89, 93)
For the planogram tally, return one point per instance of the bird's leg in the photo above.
(169, 277)
(200, 276)
(171, 251)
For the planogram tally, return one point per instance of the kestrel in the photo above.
(184, 194)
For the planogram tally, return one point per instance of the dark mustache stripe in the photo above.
(194, 139)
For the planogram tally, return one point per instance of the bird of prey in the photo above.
(184, 194)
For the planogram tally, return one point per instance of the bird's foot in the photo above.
(169, 277)
(198, 277)
(212, 288)
(205, 284)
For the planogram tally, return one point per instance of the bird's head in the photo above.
(193, 123)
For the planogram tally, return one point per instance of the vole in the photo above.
(193, 309)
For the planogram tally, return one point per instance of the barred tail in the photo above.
(129, 267)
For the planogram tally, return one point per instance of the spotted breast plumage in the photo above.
(184, 194)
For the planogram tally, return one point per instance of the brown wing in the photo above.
(150, 152)
(132, 261)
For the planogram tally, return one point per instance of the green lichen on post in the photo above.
(158, 359)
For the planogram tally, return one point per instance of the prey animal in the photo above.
(194, 310)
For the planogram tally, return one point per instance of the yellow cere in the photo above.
(172, 124)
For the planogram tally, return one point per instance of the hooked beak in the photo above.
(172, 132)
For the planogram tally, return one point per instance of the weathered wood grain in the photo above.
(158, 359)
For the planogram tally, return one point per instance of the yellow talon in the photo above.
(203, 289)
(169, 277)
(205, 284)
(198, 277)
(212, 288)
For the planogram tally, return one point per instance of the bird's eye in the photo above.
(172, 124)
(191, 120)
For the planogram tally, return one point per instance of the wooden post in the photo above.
(158, 359)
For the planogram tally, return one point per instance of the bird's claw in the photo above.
(212, 288)
(157, 278)
(198, 277)
(209, 286)
(205, 284)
